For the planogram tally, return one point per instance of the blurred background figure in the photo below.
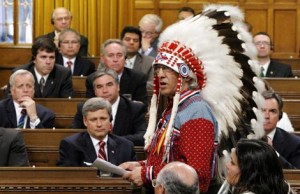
(150, 26)
(185, 12)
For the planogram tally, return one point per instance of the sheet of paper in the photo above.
(105, 166)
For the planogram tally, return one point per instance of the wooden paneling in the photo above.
(56, 180)
(285, 25)
(102, 19)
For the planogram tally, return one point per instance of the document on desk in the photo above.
(105, 166)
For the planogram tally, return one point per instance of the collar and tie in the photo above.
(101, 152)
(22, 118)
(42, 84)
(69, 65)
(262, 72)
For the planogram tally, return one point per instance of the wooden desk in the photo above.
(54, 180)
(79, 86)
(43, 145)
(63, 108)
(293, 177)
(285, 87)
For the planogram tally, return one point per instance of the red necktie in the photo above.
(101, 153)
(69, 63)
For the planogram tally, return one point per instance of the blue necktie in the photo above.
(22, 118)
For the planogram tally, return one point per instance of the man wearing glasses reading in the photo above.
(269, 68)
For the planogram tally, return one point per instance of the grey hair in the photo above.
(94, 104)
(153, 19)
(60, 37)
(106, 71)
(174, 185)
(113, 41)
(193, 83)
(19, 72)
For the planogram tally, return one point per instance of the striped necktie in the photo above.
(42, 84)
(262, 72)
(22, 118)
(101, 153)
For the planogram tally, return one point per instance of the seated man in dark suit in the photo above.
(286, 144)
(96, 141)
(128, 116)
(269, 67)
(132, 39)
(12, 148)
(51, 80)
(113, 53)
(20, 110)
(61, 20)
(69, 44)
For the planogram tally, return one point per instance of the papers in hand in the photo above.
(105, 166)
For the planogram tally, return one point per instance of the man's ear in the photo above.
(85, 121)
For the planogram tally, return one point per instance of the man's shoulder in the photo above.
(133, 105)
(287, 135)
(24, 66)
(120, 141)
(76, 137)
(61, 69)
(134, 74)
(278, 64)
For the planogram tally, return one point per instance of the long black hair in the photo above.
(260, 169)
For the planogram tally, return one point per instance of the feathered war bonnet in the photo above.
(218, 49)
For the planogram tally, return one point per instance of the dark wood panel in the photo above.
(285, 87)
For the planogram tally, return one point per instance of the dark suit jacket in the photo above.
(288, 146)
(277, 69)
(132, 82)
(83, 51)
(8, 118)
(129, 122)
(58, 84)
(12, 148)
(82, 66)
(79, 148)
(143, 64)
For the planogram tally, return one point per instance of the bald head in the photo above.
(178, 177)
(61, 19)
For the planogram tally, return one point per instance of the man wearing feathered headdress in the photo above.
(204, 69)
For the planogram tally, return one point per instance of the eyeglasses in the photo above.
(164, 68)
(70, 42)
(67, 18)
(148, 33)
(262, 43)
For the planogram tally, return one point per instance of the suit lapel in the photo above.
(11, 113)
(50, 83)
(112, 150)
(136, 66)
(120, 119)
(87, 145)
(125, 81)
(77, 67)
(278, 141)
(271, 71)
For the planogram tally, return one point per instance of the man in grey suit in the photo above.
(96, 142)
(12, 148)
(269, 67)
(132, 38)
